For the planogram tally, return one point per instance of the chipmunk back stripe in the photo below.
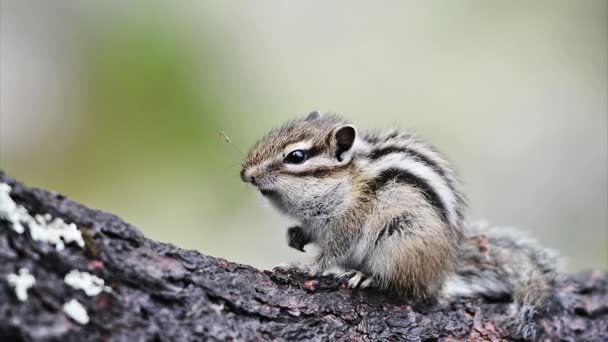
(404, 176)
(380, 152)
(428, 179)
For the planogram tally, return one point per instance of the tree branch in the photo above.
(156, 291)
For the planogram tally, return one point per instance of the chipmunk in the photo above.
(390, 207)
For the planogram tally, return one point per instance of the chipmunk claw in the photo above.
(355, 279)
(367, 283)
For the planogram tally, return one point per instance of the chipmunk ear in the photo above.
(344, 138)
(313, 115)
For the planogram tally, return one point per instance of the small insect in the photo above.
(224, 136)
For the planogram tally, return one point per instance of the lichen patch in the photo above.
(76, 311)
(10, 211)
(21, 282)
(42, 228)
(90, 284)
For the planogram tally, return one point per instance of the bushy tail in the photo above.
(503, 263)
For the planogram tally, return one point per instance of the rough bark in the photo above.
(162, 292)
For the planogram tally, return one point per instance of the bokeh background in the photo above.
(119, 105)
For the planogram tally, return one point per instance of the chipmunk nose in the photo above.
(247, 178)
(243, 176)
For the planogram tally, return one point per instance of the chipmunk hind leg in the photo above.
(413, 266)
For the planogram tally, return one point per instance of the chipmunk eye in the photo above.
(295, 157)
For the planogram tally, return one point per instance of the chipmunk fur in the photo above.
(390, 207)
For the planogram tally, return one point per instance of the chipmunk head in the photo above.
(303, 167)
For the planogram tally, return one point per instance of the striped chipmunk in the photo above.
(389, 209)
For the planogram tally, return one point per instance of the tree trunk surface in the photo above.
(157, 291)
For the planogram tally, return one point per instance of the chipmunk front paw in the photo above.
(297, 238)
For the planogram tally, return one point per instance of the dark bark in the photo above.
(162, 292)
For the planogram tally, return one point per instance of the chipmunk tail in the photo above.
(504, 264)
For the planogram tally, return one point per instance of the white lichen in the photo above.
(90, 284)
(76, 311)
(10, 211)
(21, 283)
(42, 227)
(55, 232)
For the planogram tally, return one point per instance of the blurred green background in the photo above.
(119, 104)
